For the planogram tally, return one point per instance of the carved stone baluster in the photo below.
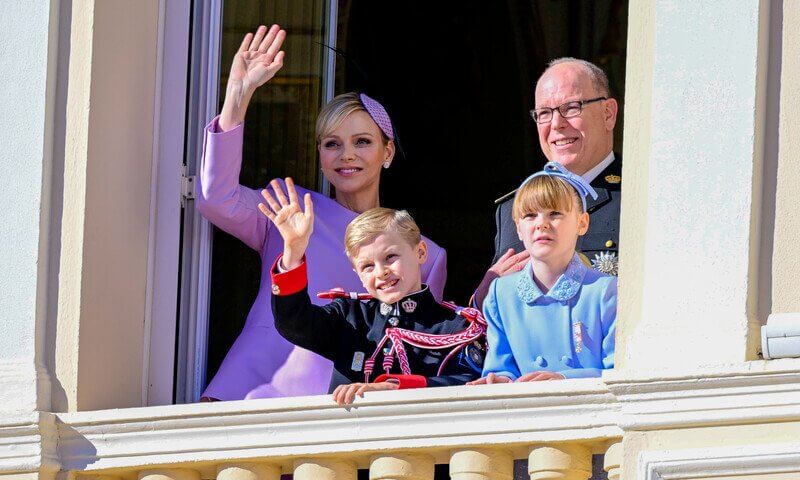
(248, 471)
(560, 462)
(481, 464)
(324, 469)
(401, 467)
(169, 474)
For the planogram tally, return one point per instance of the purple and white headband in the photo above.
(378, 114)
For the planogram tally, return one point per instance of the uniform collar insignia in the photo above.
(409, 305)
(565, 287)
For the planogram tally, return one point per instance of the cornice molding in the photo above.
(28, 443)
(713, 462)
(753, 392)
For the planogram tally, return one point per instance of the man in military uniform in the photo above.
(575, 119)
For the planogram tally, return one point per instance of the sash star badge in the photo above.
(409, 305)
(606, 262)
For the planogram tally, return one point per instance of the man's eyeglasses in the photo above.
(566, 110)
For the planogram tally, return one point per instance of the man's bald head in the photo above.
(595, 73)
(581, 142)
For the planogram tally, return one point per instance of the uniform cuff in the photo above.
(406, 381)
(289, 282)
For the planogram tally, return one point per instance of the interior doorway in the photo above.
(457, 77)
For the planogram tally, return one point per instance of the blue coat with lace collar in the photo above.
(569, 330)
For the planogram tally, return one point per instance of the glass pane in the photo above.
(457, 76)
(279, 142)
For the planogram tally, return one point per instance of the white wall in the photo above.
(26, 90)
(703, 183)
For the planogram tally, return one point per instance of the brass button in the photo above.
(276, 290)
(609, 243)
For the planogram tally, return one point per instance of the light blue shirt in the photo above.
(569, 330)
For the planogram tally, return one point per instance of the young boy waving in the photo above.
(419, 341)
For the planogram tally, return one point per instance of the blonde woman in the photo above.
(355, 140)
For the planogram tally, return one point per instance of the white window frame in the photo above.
(192, 349)
(165, 203)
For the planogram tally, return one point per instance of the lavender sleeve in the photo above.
(220, 198)
(436, 276)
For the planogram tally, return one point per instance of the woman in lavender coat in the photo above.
(355, 141)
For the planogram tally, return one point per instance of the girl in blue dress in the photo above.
(555, 318)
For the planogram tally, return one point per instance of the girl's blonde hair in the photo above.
(545, 192)
(367, 226)
(333, 114)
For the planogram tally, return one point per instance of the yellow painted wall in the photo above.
(107, 188)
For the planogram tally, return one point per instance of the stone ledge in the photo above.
(520, 414)
(588, 411)
(28, 443)
(752, 392)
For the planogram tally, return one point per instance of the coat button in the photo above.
(276, 290)
(540, 362)
(566, 360)
(610, 243)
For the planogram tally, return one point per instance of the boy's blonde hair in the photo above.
(367, 226)
(333, 114)
(545, 192)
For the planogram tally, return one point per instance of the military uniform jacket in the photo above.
(347, 331)
(603, 233)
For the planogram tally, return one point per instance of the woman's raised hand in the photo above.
(258, 59)
(294, 224)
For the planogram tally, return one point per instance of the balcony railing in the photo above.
(479, 431)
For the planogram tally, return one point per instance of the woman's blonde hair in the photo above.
(333, 114)
(375, 221)
(545, 192)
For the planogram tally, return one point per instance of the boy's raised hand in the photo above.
(294, 224)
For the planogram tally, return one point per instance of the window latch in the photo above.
(187, 186)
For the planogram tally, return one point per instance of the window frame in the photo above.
(179, 263)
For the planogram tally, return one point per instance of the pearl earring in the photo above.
(386, 164)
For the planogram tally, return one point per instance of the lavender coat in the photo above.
(261, 363)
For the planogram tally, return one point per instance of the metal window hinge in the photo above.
(187, 186)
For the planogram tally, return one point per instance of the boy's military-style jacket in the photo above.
(350, 329)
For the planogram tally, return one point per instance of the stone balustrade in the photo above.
(546, 462)
(478, 431)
